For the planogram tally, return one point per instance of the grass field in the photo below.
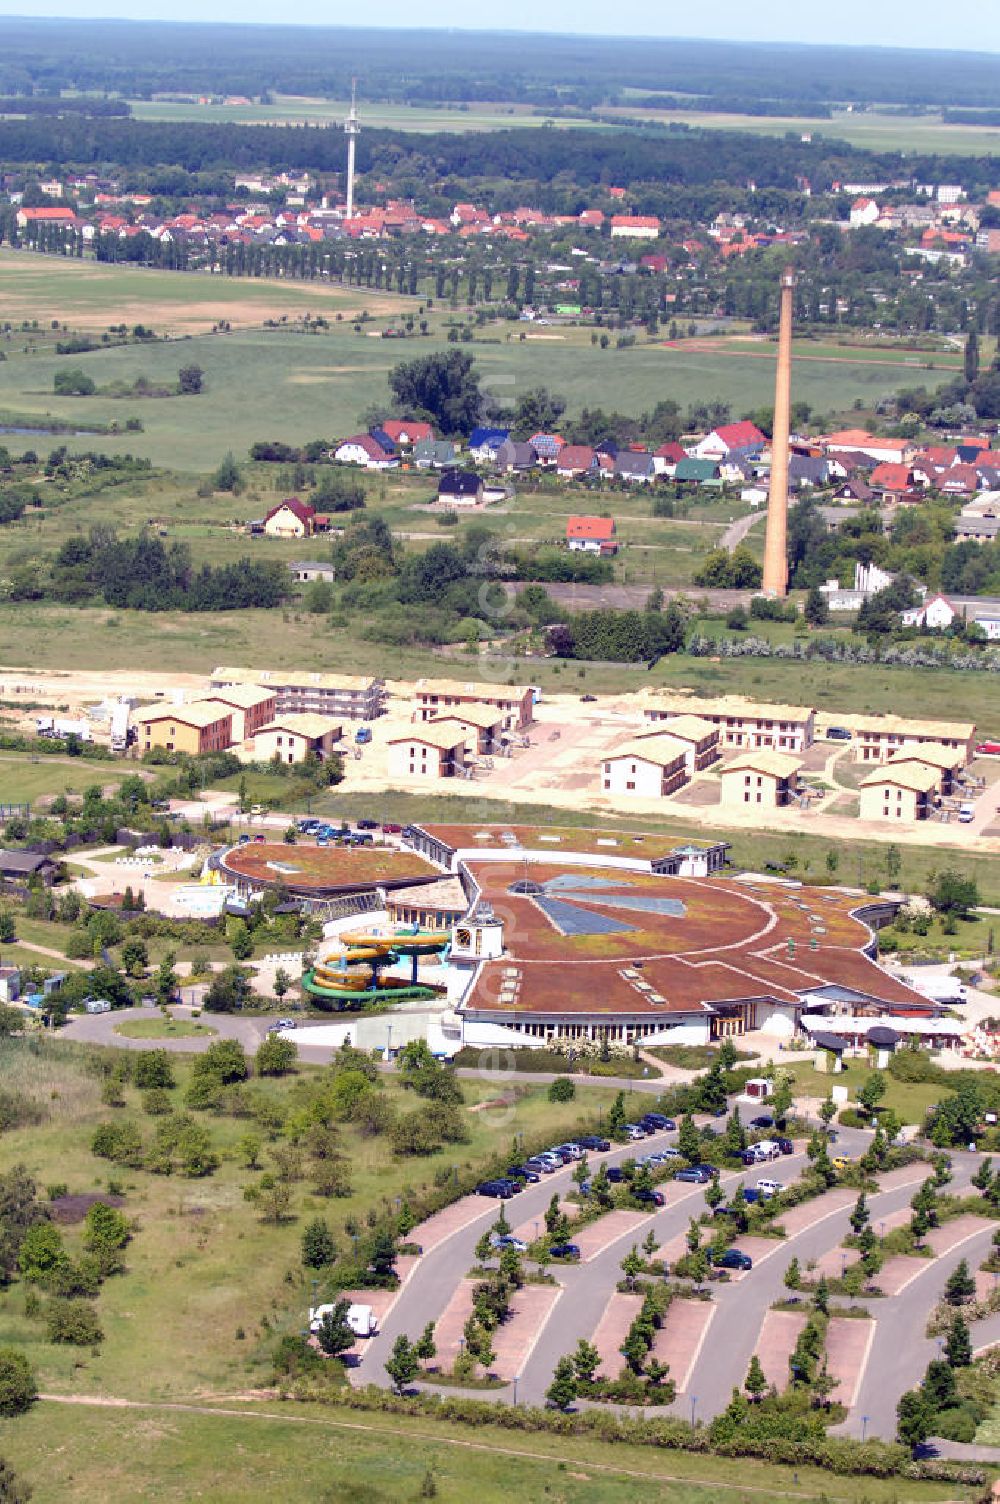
(911, 1100)
(23, 779)
(292, 386)
(203, 1265)
(307, 1455)
(292, 109)
(92, 295)
(877, 132)
(162, 1028)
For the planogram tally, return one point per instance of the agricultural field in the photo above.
(293, 386)
(872, 130)
(90, 295)
(292, 109)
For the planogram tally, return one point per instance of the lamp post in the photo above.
(388, 1043)
(514, 1401)
(864, 1427)
(694, 1404)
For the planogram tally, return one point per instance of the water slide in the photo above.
(339, 978)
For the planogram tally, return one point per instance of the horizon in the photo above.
(814, 31)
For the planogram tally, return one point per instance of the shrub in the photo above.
(956, 1423)
(153, 1068)
(18, 1390)
(275, 1056)
(562, 1090)
(75, 1322)
(120, 1142)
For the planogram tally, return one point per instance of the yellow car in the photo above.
(841, 1162)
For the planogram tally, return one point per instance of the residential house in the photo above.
(293, 738)
(667, 457)
(634, 227)
(436, 696)
(935, 614)
(203, 726)
(891, 481)
(407, 431)
(363, 449)
(576, 461)
(356, 697)
(741, 722)
(23, 866)
(864, 211)
(307, 570)
(695, 472)
(949, 762)
(761, 778)
(513, 456)
(484, 443)
(460, 488)
(481, 725)
(960, 480)
(976, 529)
(547, 447)
(436, 751)
(849, 440)
(291, 518)
(743, 438)
(433, 454)
(591, 535)
(876, 738)
(807, 470)
(902, 792)
(699, 737)
(635, 467)
(10, 984)
(651, 768)
(251, 706)
(855, 489)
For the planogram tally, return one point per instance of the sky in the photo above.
(959, 25)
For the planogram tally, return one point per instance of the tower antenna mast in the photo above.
(352, 130)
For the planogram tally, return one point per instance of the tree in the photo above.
(318, 1247)
(871, 1091)
(281, 984)
(425, 1348)
(562, 1089)
(442, 388)
(8, 927)
(18, 1390)
(41, 1252)
(189, 380)
(227, 991)
(755, 1383)
(631, 1265)
(821, 1299)
(586, 1361)
(689, 1139)
(275, 1056)
(727, 1056)
(223, 1061)
(971, 356)
(939, 1384)
(334, 1333)
(793, 1276)
(817, 608)
(134, 957)
(860, 1216)
(714, 1194)
(827, 1111)
(403, 1365)
(952, 894)
(241, 941)
(617, 1117)
(228, 477)
(913, 1418)
(563, 1390)
(106, 1233)
(893, 861)
(165, 981)
(958, 1346)
(781, 1099)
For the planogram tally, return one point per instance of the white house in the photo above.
(936, 614)
(864, 211)
(362, 449)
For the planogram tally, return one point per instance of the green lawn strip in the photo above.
(23, 779)
(303, 1452)
(162, 1028)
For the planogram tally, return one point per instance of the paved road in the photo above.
(99, 1028)
(737, 531)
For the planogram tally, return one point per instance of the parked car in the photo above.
(285, 1023)
(763, 1120)
(842, 1162)
(635, 1131)
(544, 1166)
(662, 1155)
(522, 1172)
(593, 1141)
(500, 1190)
(649, 1198)
(838, 734)
(615, 1174)
(770, 1187)
(574, 1150)
(785, 1145)
(367, 824)
(696, 1174)
(733, 1258)
(657, 1121)
(564, 1251)
(389, 828)
(507, 1240)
